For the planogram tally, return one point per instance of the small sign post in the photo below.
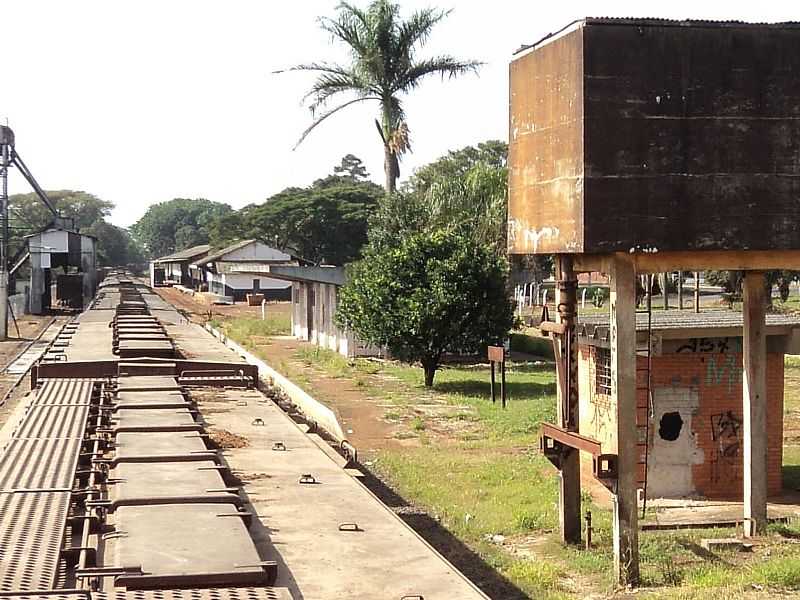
(497, 354)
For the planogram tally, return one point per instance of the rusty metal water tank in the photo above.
(654, 135)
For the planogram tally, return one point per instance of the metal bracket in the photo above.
(605, 469)
(556, 443)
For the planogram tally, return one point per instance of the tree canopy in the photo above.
(324, 223)
(383, 67)
(464, 192)
(177, 224)
(436, 292)
(352, 167)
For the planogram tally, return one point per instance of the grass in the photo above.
(498, 484)
(251, 332)
(476, 470)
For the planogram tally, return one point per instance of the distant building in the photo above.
(57, 247)
(314, 295)
(216, 271)
(174, 268)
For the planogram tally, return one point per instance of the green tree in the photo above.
(383, 67)
(352, 167)
(177, 224)
(115, 246)
(437, 292)
(326, 222)
(230, 227)
(28, 214)
(464, 191)
(456, 164)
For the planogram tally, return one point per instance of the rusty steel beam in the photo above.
(571, 439)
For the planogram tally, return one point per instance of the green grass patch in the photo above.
(476, 493)
(245, 329)
(332, 362)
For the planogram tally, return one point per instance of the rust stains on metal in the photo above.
(643, 135)
(546, 148)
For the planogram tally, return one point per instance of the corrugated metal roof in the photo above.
(655, 22)
(187, 254)
(659, 22)
(596, 326)
(217, 254)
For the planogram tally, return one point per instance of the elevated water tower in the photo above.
(647, 146)
(57, 245)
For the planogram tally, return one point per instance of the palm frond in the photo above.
(321, 67)
(328, 85)
(417, 29)
(446, 66)
(349, 27)
(328, 113)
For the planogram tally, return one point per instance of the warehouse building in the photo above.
(223, 272)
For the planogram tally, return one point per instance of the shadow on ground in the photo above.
(483, 575)
(483, 389)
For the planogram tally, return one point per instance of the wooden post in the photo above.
(569, 504)
(697, 291)
(664, 290)
(623, 397)
(494, 395)
(503, 383)
(754, 392)
(680, 290)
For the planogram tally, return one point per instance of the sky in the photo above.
(141, 102)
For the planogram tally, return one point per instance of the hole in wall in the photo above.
(669, 428)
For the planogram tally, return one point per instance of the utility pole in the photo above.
(6, 143)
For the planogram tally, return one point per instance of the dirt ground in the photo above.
(201, 312)
(30, 326)
(360, 414)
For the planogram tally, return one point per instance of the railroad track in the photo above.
(112, 488)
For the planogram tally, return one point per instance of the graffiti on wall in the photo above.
(717, 345)
(726, 431)
(727, 370)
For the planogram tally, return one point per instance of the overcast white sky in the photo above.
(140, 102)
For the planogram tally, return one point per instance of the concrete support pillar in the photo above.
(569, 504)
(623, 397)
(754, 392)
(37, 279)
(89, 268)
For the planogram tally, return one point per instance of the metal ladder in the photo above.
(644, 384)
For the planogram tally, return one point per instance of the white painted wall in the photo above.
(324, 332)
(244, 281)
(255, 251)
(55, 241)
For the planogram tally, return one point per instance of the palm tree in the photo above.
(383, 67)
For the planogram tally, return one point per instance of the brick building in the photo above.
(690, 434)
